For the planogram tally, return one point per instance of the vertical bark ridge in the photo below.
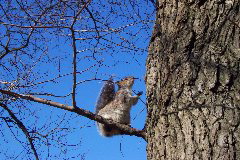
(192, 79)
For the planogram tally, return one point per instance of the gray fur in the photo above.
(116, 108)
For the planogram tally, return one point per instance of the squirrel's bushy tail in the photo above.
(106, 95)
(107, 131)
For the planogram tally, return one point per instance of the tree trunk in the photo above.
(193, 82)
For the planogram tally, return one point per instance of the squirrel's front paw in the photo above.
(140, 93)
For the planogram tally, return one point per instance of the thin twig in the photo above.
(23, 128)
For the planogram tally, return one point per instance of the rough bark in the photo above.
(193, 82)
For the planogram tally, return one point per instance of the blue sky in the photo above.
(119, 54)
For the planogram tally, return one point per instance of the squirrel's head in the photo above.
(126, 82)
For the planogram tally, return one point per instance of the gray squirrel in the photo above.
(116, 105)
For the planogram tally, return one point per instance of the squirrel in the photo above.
(116, 106)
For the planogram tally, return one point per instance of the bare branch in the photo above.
(75, 54)
(32, 27)
(23, 128)
(125, 128)
(15, 49)
(59, 76)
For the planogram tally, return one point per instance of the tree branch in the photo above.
(75, 54)
(23, 128)
(124, 128)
